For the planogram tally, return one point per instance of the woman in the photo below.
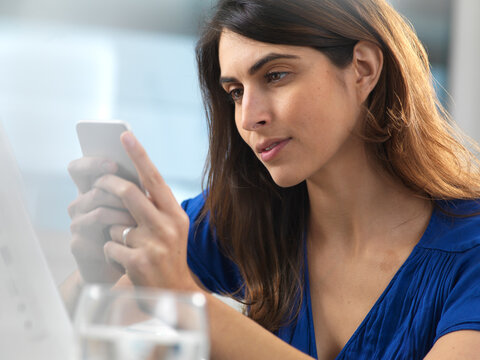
(339, 205)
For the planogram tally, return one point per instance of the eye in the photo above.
(275, 76)
(236, 94)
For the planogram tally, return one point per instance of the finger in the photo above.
(116, 234)
(116, 266)
(133, 239)
(99, 219)
(117, 253)
(93, 199)
(93, 260)
(137, 203)
(86, 170)
(151, 179)
(135, 262)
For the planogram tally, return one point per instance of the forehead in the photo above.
(230, 39)
(235, 50)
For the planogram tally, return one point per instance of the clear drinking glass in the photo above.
(140, 324)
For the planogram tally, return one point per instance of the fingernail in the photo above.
(129, 140)
(109, 166)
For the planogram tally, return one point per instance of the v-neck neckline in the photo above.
(311, 327)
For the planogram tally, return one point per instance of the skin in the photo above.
(92, 213)
(363, 223)
(156, 257)
(360, 217)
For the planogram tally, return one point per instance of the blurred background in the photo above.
(66, 60)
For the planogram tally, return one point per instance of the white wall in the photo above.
(465, 66)
(54, 75)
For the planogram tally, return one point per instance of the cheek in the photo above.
(244, 134)
(332, 108)
(241, 131)
(324, 123)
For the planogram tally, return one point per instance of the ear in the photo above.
(368, 63)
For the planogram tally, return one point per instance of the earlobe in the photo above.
(368, 64)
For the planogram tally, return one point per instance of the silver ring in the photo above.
(125, 234)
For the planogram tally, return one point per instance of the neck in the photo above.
(355, 204)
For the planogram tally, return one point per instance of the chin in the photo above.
(286, 180)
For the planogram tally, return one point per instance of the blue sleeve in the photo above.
(461, 310)
(216, 272)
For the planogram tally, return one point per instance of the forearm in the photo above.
(70, 291)
(235, 336)
(232, 335)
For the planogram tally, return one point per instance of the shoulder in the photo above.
(451, 265)
(454, 227)
(205, 257)
(194, 206)
(200, 227)
(456, 345)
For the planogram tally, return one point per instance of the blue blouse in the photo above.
(435, 291)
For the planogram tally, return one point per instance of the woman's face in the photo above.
(293, 107)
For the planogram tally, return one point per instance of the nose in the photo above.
(255, 110)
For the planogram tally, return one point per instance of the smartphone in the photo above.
(102, 139)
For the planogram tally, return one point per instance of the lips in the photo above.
(269, 149)
(268, 145)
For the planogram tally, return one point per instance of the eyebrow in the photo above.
(259, 64)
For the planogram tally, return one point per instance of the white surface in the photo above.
(465, 72)
(55, 75)
(34, 323)
(102, 139)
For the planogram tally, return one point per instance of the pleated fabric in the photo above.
(436, 291)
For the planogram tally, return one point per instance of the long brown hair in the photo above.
(260, 225)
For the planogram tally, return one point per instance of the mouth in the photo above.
(269, 149)
(268, 145)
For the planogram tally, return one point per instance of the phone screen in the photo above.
(102, 139)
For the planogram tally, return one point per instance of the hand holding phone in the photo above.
(102, 139)
(94, 213)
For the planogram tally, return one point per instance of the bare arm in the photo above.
(234, 336)
(70, 291)
(154, 254)
(458, 345)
